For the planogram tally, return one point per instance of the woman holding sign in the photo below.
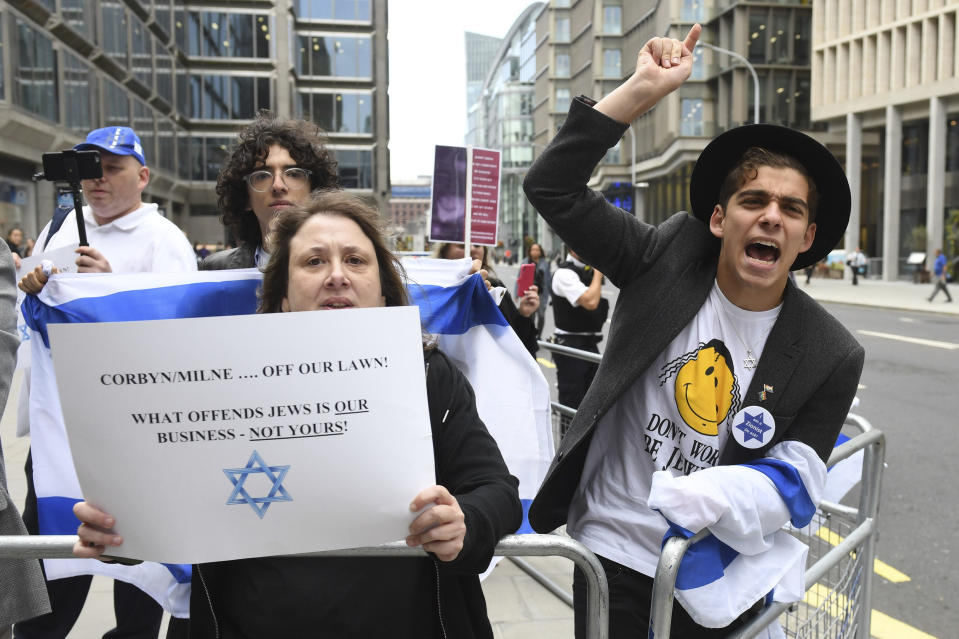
(330, 254)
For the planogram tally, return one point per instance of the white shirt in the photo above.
(675, 417)
(140, 241)
(566, 284)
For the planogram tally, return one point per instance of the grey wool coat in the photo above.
(664, 274)
(23, 594)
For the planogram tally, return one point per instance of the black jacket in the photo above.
(375, 597)
(664, 275)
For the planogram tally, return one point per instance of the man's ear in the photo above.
(716, 221)
(143, 175)
(808, 238)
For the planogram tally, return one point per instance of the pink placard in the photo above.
(484, 196)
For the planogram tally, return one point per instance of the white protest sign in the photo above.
(64, 258)
(221, 438)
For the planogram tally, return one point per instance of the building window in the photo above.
(339, 112)
(332, 10)
(612, 19)
(562, 100)
(915, 148)
(562, 4)
(802, 39)
(80, 95)
(143, 124)
(355, 168)
(757, 35)
(952, 142)
(35, 72)
(116, 105)
(614, 155)
(3, 92)
(227, 97)
(215, 34)
(164, 74)
(561, 69)
(699, 67)
(114, 36)
(335, 55)
(142, 52)
(780, 98)
(694, 10)
(79, 15)
(612, 60)
(166, 144)
(779, 37)
(692, 117)
(561, 32)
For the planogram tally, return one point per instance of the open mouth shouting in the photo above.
(335, 303)
(766, 252)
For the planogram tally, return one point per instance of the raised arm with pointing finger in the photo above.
(723, 387)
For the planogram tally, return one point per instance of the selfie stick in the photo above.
(71, 171)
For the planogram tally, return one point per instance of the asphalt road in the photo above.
(909, 390)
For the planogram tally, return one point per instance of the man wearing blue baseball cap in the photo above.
(125, 235)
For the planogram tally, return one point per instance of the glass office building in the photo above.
(186, 76)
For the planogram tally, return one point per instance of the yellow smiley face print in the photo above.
(704, 388)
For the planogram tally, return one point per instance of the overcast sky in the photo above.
(428, 73)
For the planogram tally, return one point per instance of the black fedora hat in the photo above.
(724, 152)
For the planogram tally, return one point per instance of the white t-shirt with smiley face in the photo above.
(676, 417)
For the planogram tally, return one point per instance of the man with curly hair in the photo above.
(275, 165)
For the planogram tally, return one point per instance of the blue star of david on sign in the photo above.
(753, 427)
(255, 465)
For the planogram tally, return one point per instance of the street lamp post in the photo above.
(749, 66)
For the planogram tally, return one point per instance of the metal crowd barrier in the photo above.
(841, 540)
(597, 605)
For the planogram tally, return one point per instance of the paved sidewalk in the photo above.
(518, 606)
(900, 295)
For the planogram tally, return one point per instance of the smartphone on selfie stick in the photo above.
(71, 166)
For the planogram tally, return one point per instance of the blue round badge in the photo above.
(753, 427)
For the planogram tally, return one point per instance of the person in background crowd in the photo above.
(939, 272)
(712, 348)
(333, 247)
(125, 235)
(579, 313)
(21, 580)
(28, 248)
(857, 262)
(15, 239)
(275, 164)
(543, 281)
(519, 318)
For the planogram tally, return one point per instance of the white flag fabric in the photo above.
(512, 395)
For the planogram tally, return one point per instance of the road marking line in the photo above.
(912, 340)
(881, 568)
(545, 362)
(882, 626)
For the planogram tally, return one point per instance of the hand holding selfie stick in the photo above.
(72, 166)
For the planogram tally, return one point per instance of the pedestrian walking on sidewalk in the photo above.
(939, 270)
(857, 262)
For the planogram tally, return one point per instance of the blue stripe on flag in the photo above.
(790, 486)
(525, 528)
(199, 299)
(454, 310)
(181, 572)
(704, 562)
(55, 515)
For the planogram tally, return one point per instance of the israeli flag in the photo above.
(512, 395)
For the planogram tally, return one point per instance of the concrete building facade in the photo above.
(885, 79)
(186, 76)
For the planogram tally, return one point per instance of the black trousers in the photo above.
(630, 595)
(574, 375)
(138, 615)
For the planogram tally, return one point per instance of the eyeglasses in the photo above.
(294, 178)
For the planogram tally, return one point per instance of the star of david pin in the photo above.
(753, 427)
(256, 465)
